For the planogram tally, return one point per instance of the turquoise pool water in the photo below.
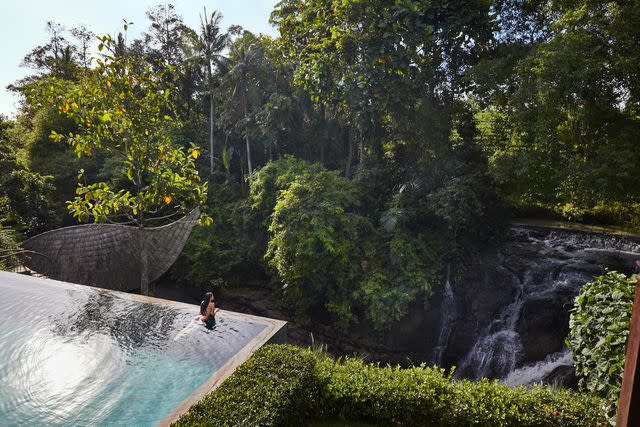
(72, 355)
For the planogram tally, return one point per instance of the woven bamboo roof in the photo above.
(107, 255)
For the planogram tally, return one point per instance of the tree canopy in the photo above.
(350, 158)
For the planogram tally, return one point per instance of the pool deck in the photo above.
(275, 331)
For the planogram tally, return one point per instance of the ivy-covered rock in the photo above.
(599, 328)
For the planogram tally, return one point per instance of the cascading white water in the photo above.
(499, 350)
(538, 372)
(493, 355)
(541, 268)
(447, 317)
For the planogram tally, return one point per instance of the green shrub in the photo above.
(24, 194)
(8, 247)
(284, 385)
(328, 256)
(422, 396)
(276, 386)
(400, 268)
(213, 253)
(315, 244)
(274, 177)
(599, 328)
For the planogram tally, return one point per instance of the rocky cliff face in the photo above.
(505, 315)
(513, 305)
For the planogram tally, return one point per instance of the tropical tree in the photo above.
(125, 109)
(85, 38)
(381, 61)
(209, 44)
(24, 194)
(164, 37)
(246, 54)
(559, 109)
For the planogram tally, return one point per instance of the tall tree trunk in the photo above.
(246, 134)
(347, 171)
(246, 140)
(211, 145)
(360, 148)
(144, 261)
(144, 264)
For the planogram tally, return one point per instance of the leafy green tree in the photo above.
(219, 255)
(599, 329)
(85, 38)
(164, 36)
(44, 156)
(378, 59)
(57, 57)
(124, 109)
(561, 123)
(326, 252)
(266, 185)
(315, 244)
(399, 268)
(8, 249)
(24, 194)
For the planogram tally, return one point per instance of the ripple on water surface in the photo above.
(72, 355)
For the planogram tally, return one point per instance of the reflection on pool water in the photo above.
(74, 355)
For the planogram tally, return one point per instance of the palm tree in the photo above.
(210, 43)
(245, 56)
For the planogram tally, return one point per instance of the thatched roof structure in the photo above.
(107, 255)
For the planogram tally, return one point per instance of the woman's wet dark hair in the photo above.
(204, 304)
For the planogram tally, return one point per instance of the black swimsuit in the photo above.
(210, 321)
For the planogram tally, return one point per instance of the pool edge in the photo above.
(274, 330)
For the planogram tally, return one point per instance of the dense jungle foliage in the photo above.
(346, 160)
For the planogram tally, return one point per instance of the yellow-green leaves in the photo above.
(125, 109)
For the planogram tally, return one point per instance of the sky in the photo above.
(23, 22)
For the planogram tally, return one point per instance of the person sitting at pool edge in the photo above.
(208, 310)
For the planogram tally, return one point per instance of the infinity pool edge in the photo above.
(274, 331)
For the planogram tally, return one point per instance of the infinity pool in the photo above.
(75, 355)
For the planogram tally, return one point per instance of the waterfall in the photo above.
(447, 317)
(542, 271)
(499, 349)
(538, 372)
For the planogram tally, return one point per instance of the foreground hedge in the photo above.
(284, 385)
(275, 385)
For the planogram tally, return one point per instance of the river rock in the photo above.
(543, 325)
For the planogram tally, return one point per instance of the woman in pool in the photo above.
(207, 315)
(208, 310)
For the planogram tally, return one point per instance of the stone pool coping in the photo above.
(274, 331)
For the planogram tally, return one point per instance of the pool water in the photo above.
(75, 355)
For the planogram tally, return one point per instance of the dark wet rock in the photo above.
(562, 376)
(543, 325)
